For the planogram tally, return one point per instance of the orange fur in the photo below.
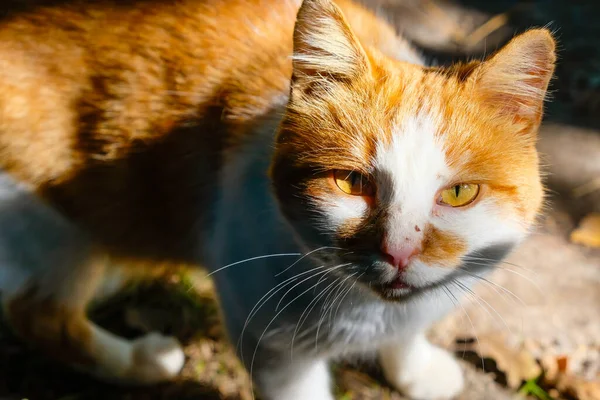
(442, 248)
(122, 117)
(58, 331)
(59, 327)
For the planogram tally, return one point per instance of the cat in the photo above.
(342, 193)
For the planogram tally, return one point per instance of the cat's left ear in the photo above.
(514, 81)
(325, 48)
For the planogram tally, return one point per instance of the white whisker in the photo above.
(263, 300)
(304, 280)
(306, 255)
(330, 308)
(495, 286)
(346, 294)
(253, 259)
(307, 311)
(485, 307)
(468, 317)
(271, 322)
(468, 258)
(514, 272)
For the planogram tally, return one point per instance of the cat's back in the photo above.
(82, 81)
(118, 113)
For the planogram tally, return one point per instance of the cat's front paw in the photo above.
(156, 358)
(437, 376)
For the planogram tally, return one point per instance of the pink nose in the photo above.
(399, 257)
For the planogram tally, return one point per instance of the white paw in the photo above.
(156, 358)
(437, 377)
(301, 381)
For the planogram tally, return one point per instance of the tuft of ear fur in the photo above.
(515, 80)
(325, 48)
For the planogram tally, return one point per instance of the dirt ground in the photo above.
(539, 336)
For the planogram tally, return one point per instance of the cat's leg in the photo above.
(301, 380)
(55, 322)
(276, 375)
(421, 370)
(48, 275)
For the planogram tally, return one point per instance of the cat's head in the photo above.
(404, 173)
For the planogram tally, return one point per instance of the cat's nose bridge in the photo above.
(405, 220)
(403, 238)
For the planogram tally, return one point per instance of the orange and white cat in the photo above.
(363, 191)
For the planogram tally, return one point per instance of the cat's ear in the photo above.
(515, 80)
(325, 48)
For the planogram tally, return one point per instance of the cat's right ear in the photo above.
(325, 48)
(515, 80)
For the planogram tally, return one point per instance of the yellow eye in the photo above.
(459, 195)
(353, 183)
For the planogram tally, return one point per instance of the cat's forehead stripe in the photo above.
(414, 159)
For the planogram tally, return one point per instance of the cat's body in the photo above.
(138, 136)
(304, 315)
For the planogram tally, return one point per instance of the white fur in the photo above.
(416, 163)
(421, 370)
(340, 209)
(415, 159)
(484, 224)
(156, 358)
(147, 360)
(115, 354)
(301, 381)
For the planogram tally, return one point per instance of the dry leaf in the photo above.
(562, 363)
(518, 365)
(578, 388)
(588, 232)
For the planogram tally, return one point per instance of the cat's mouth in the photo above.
(399, 283)
(399, 289)
(396, 289)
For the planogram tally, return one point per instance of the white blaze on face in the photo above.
(411, 170)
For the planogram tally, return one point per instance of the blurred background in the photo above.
(532, 332)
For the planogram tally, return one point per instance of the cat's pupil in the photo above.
(358, 181)
(353, 179)
(456, 190)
